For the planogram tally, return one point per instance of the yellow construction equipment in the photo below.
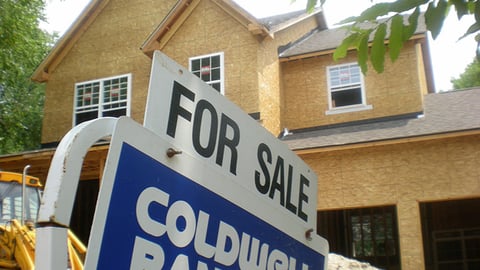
(19, 203)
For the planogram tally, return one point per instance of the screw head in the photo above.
(172, 152)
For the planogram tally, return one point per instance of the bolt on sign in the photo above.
(202, 186)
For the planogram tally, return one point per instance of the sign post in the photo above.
(202, 186)
(62, 181)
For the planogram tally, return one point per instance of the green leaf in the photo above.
(461, 6)
(348, 20)
(469, 78)
(434, 17)
(400, 6)
(471, 7)
(472, 29)
(477, 11)
(370, 14)
(342, 49)
(362, 52)
(311, 5)
(377, 56)
(409, 30)
(396, 37)
(22, 47)
(374, 11)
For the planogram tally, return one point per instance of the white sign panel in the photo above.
(160, 212)
(199, 121)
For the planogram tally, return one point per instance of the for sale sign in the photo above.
(202, 186)
(156, 212)
(198, 120)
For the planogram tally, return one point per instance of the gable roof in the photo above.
(279, 22)
(164, 31)
(273, 21)
(66, 42)
(266, 27)
(325, 41)
(445, 113)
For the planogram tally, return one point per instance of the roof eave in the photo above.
(66, 42)
(317, 12)
(389, 141)
(180, 12)
(170, 24)
(328, 51)
(244, 18)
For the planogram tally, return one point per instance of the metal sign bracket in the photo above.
(61, 185)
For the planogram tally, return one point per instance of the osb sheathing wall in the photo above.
(108, 47)
(251, 62)
(396, 91)
(402, 175)
(209, 30)
(270, 73)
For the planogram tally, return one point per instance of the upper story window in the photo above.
(346, 89)
(210, 69)
(101, 98)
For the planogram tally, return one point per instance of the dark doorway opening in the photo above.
(366, 234)
(84, 209)
(451, 234)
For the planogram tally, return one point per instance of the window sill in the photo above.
(348, 109)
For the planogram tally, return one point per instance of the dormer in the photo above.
(319, 92)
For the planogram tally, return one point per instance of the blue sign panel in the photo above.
(160, 219)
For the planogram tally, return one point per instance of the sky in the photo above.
(449, 56)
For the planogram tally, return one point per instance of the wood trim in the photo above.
(40, 162)
(183, 9)
(301, 18)
(244, 18)
(167, 28)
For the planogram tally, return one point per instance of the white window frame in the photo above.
(349, 108)
(100, 106)
(222, 69)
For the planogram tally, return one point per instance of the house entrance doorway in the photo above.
(451, 234)
(84, 208)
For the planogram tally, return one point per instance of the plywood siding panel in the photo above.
(396, 91)
(272, 99)
(108, 47)
(402, 175)
(209, 29)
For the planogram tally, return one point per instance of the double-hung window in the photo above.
(209, 68)
(102, 98)
(346, 89)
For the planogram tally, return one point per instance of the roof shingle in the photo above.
(445, 112)
(322, 40)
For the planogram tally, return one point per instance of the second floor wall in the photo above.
(107, 48)
(321, 92)
(250, 64)
(105, 73)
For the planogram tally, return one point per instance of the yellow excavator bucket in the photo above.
(19, 206)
